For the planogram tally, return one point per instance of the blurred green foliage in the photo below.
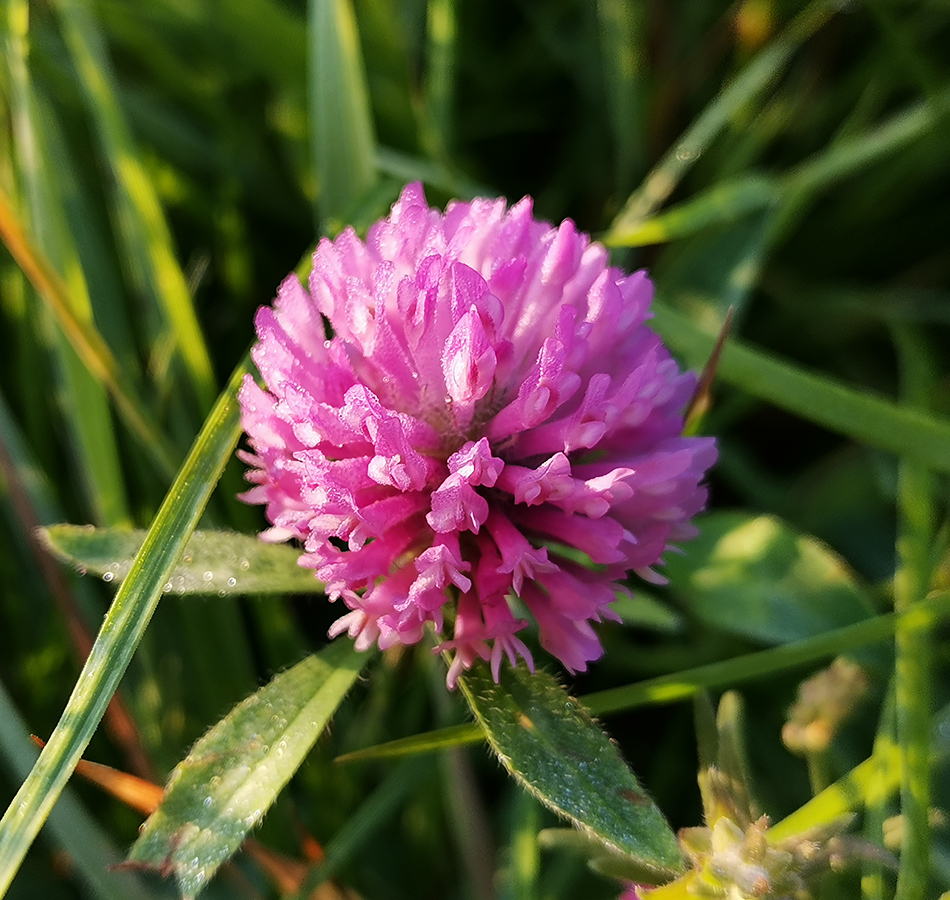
(173, 161)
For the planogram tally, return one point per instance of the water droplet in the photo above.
(232, 582)
(245, 564)
(108, 576)
(686, 153)
(209, 576)
(207, 802)
(167, 586)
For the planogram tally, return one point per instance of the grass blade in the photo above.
(667, 174)
(70, 824)
(342, 128)
(914, 672)
(86, 407)
(122, 629)
(685, 684)
(843, 410)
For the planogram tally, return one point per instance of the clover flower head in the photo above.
(456, 407)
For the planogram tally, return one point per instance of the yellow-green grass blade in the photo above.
(122, 629)
(85, 404)
(147, 241)
(83, 336)
(92, 854)
(914, 670)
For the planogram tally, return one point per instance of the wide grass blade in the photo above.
(122, 629)
(855, 414)
(439, 87)
(340, 120)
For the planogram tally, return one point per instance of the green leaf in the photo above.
(757, 577)
(213, 562)
(546, 739)
(233, 774)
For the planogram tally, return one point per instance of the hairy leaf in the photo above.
(233, 774)
(546, 739)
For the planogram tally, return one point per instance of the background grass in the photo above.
(172, 162)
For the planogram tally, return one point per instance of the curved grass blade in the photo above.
(73, 829)
(730, 200)
(841, 409)
(683, 685)
(550, 744)
(122, 629)
(429, 742)
(224, 563)
(342, 128)
(233, 774)
(142, 225)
